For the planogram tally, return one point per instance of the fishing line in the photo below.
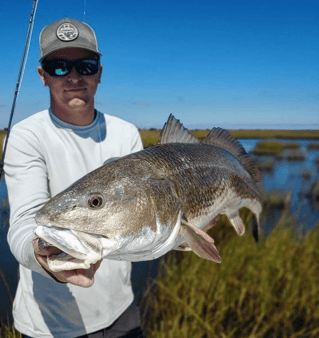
(20, 77)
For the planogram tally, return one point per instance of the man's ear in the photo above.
(100, 76)
(42, 75)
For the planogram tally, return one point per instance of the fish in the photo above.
(142, 205)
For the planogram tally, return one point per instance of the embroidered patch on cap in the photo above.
(67, 32)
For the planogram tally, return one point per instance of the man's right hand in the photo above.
(80, 277)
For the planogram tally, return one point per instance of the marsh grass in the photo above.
(2, 135)
(7, 331)
(274, 133)
(314, 191)
(261, 290)
(313, 146)
(306, 174)
(276, 198)
(150, 136)
(295, 155)
(274, 148)
(266, 166)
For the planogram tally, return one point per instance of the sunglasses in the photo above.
(64, 67)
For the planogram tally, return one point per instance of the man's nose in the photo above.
(74, 75)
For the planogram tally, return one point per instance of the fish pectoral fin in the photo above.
(200, 242)
(236, 222)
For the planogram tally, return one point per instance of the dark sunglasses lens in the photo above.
(57, 67)
(63, 67)
(88, 66)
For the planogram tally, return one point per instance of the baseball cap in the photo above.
(66, 33)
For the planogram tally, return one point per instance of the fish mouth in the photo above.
(79, 250)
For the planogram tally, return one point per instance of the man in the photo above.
(46, 153)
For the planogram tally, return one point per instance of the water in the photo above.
(8, 264)
(286, 176)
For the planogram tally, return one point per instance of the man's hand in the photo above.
(80, 277)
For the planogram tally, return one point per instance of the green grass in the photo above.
(314, 190)
(266, 166)
(274, 148)
(306, 174)
(150, 136)
(269, 133)
(295, 155)
(7, 331)
(2, 135)
(258, 291)
(313, 146)
(277, 198)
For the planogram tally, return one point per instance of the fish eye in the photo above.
(95, 201)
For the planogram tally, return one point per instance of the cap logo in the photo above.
(67, 32)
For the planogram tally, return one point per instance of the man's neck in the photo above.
(79, 117)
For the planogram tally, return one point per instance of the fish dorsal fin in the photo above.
(221, 138)
(174, 132)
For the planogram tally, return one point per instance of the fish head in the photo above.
(114, 217)
(102, 210)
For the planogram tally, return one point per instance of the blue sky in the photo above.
(233, 64)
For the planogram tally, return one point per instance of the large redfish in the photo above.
(165, 197)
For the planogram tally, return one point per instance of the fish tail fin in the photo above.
(221, 138)
(200, 242)
(174, 132)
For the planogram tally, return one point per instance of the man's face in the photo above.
(73, 91)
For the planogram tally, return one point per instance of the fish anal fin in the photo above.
(236, 222)
(174, 132)
(200, 242)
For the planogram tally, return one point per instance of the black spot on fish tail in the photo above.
(255, 228)
(221, 138)
(174, 132)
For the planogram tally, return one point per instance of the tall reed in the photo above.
(261, 290)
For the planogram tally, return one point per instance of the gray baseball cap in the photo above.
(66, 33)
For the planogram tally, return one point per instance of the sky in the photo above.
(230, 64)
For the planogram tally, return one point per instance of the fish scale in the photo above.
(147, 203)
(198, 174)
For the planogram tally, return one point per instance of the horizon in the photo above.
(233, 65)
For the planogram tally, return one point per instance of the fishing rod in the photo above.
(20, 77)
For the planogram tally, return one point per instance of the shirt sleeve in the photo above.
(137, 143)
(27, 183)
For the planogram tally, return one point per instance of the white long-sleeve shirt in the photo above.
(44, 156)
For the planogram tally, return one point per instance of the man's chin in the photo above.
(77, 103)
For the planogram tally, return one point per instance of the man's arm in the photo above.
(26, 177)
(27, 184)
